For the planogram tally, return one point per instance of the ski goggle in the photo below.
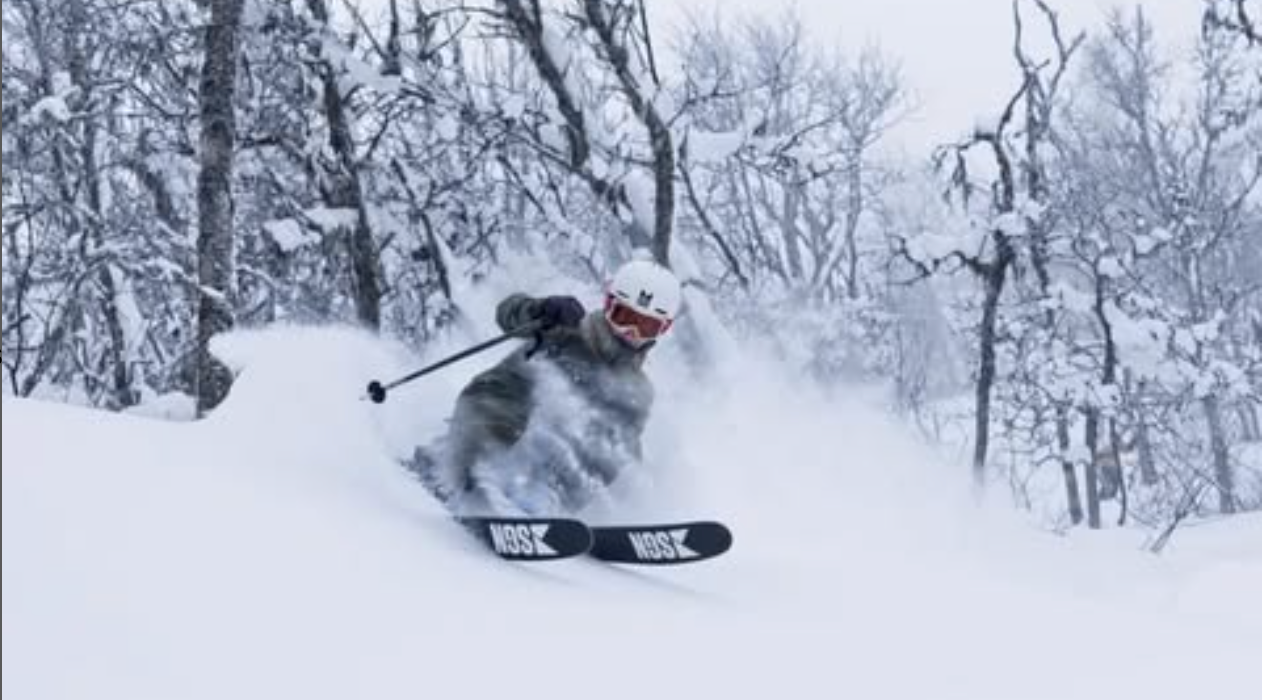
(631, 323)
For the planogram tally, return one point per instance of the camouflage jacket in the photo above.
(569, 414)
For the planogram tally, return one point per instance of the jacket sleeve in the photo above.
(516, 311)
(491, 413)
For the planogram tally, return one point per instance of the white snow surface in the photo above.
(53, 107)
(275, 550)
(289, 234)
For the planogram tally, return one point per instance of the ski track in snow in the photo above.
(276, 550)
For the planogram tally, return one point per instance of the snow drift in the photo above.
(276, 550)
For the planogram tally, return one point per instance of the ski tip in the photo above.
(660, 544)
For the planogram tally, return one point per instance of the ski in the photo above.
(530, 539)
(550, 539)
(678, 543)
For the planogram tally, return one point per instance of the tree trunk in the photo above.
(854, 209)
(1147, 465)
(1073, 499)
(1223, 476)
(345, 190)
(1123, 496)
(664, 186)
(1143, 440)
(1092, 439)
(793, 234)
(215, 270)
(993, 278)
(1108, 462)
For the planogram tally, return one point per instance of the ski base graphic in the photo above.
(548, 539)
(678, 543)
(531, 539)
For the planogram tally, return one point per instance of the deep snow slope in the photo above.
(275, 550)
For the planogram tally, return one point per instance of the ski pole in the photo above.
(377, 391)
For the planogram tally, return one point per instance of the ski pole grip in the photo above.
(533, 329)
(537, 345)
(376, 392)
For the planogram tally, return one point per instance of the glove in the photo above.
(560, 311)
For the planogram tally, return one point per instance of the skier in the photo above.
(552, 425)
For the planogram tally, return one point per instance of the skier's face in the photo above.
(633, 326)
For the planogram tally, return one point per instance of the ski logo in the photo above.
(520, 539)
(661, 545)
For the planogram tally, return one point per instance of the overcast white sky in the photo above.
(956, 54)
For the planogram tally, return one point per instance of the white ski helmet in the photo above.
(642, 301)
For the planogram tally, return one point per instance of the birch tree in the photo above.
(215, 209)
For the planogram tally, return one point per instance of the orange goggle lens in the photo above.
(631, 322)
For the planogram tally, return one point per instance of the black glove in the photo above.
(559, 311)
